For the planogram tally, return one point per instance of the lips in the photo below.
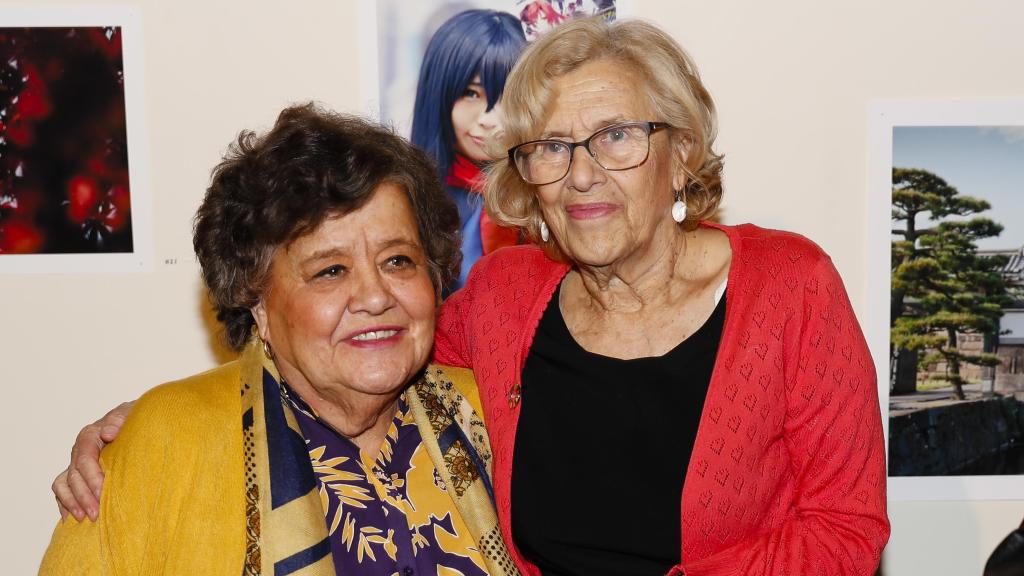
(591, 210)
(375, 337)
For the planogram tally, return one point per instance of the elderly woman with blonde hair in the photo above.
(663, 394)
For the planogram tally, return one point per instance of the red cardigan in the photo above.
(787, 474)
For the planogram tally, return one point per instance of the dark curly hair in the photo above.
(273, 188)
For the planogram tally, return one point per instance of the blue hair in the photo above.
(484, 42)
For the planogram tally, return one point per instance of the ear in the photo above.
(680, 153)
(259, 313)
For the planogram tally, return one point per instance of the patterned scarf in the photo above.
(453, 432)
(285, 529)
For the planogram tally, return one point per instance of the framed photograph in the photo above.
(394, 36)
(946, 250)
(73, 191)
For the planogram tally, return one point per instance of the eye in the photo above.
(399, 262)
(472, 93)
(614, 136)
(617, 135)
(550, 149)
(332, 271)
(554, 148)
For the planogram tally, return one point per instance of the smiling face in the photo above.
(600, 217)
(472, 123)
(349, 307)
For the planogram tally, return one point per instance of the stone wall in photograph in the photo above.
(1009, 375)
(942, 440)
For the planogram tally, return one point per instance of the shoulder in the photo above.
(510, 271)
(521, 260)
(503, 289)
(184, 415)
(176, 468)
(759, 246)
(199, 398)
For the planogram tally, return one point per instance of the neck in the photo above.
(362, 418)
(651, 276)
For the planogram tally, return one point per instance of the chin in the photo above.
(595, 253)
(387, 378)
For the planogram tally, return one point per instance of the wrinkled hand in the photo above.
(78, 487)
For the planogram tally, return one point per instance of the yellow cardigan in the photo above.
(173, 500)
(173, 495)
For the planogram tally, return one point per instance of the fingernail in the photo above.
(63, 515)
(77, 513)
(93, 514)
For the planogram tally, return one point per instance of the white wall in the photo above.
(792, 80)
(1013, 323)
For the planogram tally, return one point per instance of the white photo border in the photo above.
(129, 19)
(883, 116)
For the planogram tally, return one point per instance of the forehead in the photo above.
(596, 94)
(386, 217)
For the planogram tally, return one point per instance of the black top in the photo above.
(601, 451)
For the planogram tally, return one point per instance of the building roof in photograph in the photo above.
(1014, 269)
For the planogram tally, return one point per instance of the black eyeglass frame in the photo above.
(651, 127)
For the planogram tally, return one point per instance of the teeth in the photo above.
(377, 335)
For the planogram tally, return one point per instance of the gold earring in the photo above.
(267, 350)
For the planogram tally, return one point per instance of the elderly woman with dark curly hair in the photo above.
(324, 244)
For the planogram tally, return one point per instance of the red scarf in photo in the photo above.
(466, 175)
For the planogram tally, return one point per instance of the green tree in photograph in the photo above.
(941, 287)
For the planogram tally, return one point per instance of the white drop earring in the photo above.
(679, 208)
(544, 233)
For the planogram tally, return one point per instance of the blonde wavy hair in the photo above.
(672, 82)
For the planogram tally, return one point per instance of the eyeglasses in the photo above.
(618, 147)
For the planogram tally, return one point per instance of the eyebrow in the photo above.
(324, 253)
(401, 242)
(337, 251)
(601, 124)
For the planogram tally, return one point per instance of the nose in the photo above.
(488, 119)
(584, 170)
(371, 293)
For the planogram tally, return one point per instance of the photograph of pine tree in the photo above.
(946, 214)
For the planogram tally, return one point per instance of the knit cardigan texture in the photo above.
(787, 474)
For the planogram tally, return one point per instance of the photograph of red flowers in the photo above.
(64, 184)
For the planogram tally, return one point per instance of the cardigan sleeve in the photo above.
(837, 523)
(116, 541)
(75, 549)
(168, 454)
